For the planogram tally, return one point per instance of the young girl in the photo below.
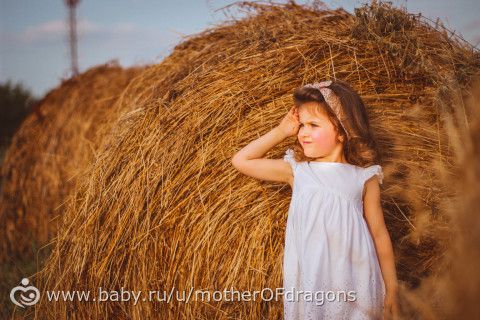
(338, 260)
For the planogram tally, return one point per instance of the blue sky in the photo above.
(34, 43)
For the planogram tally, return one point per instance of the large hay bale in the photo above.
(49, 151)
(163, 208)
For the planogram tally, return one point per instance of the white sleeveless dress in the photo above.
(329, 252)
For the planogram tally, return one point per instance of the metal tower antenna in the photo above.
(73, 34)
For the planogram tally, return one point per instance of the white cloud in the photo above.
(49, 30)
(57, 30)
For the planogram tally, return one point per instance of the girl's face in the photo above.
(317, 133)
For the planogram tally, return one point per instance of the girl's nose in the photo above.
(305, 131)
(304, 135)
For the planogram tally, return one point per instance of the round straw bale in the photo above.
(50, 149)
(163, 208)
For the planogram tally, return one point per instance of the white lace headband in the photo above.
(332, 100)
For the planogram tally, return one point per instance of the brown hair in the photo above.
(360, 148)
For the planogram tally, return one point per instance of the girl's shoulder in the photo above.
(370, 171)
(289, 157)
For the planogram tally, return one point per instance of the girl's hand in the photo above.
(390, 310)
(290, 123)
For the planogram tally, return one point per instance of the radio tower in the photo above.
(73, 34)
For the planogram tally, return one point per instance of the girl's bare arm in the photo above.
(383, 244)
(249, 160)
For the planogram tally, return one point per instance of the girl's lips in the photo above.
(306, 142)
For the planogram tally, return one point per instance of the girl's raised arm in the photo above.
(249, 160)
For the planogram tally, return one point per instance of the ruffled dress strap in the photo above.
(289, 157)
(371, 171)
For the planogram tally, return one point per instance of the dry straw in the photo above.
(452, 290)
(163, 208)
(49, 151)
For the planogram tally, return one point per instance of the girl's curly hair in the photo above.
(361, 148)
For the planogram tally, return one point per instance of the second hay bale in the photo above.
(51, 148)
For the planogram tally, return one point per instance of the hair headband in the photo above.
(332, 100)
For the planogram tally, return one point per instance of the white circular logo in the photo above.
(27, 296)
